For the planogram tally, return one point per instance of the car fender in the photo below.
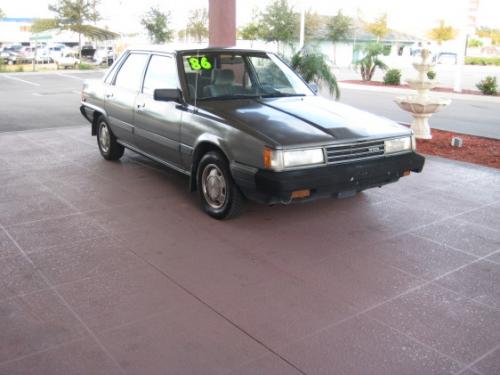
(89, 110)
(214, 140)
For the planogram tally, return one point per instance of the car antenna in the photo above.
(196, 84)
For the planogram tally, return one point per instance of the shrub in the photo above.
(392, 77)
(83, 66)
(475, 43)
(431, 74)
(488, 86)
(483, 61)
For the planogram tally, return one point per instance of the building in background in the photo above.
(15, 30)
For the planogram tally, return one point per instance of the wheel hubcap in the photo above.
(214, 186)
(104, 138)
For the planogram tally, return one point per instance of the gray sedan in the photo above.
(242, 124)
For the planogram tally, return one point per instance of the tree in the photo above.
(182, 35)
(370, 62)
(74, 15)
(488, 32)
(442, 33)
(312, 66)
(339, 29)
(42, 24)
(474, 43)
(250, 31)
(278, 23)
(198, 24)
(378, 27)
(2, 13)
(156, 23)
(312, 26)
(94, 15)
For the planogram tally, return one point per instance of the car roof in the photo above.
(184, 48)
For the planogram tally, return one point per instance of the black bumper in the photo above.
(326, 181)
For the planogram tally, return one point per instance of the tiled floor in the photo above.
(112, 268)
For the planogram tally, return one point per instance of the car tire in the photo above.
(219, 195)
(106, 141)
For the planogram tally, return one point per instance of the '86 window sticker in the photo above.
(199, 63)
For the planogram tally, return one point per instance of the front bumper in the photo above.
(326, 181)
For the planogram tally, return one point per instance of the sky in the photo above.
(411, 16)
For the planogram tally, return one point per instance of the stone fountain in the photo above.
(422, 105)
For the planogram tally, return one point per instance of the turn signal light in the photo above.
(297, 194)
(406, 173)
(268, 158)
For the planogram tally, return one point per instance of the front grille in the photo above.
(343, 153)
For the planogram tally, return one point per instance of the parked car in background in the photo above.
(103, 56)
(68, 59)
(448, 58)
(242, 123)
(9, 57)
(42, 56)
(55, 51)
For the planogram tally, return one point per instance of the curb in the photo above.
(404, 91)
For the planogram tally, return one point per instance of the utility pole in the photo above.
(467, 29)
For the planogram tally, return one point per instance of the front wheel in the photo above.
(220, 197)
(108, 146)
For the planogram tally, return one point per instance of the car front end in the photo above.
(335, 170)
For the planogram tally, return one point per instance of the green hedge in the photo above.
(483, 61)
(488, 86)
(392, 77)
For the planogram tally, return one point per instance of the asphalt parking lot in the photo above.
(111, 267)
(41, 100)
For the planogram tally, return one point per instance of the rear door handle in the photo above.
(109, 95)
(141, 106)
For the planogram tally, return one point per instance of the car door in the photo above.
(158, 123)
(121, 94)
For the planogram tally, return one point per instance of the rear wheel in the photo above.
(220, 197)
(108, 146)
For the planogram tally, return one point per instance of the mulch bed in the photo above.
(405, 86)
(477, 150)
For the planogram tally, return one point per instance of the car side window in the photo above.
(161, 74)
(130, 74)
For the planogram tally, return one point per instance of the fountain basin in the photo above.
(423, 67)
(421, 85)
(421, 106)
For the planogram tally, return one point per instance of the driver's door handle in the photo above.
(141, 106)
(110, 95)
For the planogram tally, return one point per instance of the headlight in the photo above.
(279, 159)
(398, 145)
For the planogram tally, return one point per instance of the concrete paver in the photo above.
(111, 267)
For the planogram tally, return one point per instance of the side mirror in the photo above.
(314, 86)
(168, 95)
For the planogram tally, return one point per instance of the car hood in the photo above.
(298, 121)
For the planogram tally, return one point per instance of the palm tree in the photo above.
(313, 67)
(368, 64)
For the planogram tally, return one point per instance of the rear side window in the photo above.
(130, 75)
(161, 74)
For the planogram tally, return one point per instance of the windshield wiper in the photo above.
(280, 95)
(229, 97)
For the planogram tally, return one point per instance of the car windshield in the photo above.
(228, 75)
